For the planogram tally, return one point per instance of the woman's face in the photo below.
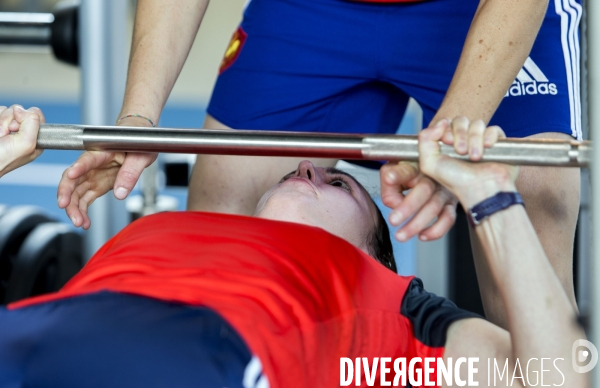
(322, 197)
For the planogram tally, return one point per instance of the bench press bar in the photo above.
(533, 152)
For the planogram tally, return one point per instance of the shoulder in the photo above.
(429, 314)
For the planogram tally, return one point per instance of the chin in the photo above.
(287, 214)
(289, 211)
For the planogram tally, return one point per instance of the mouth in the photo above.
(302, 181)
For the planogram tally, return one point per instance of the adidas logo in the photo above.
(531, 81)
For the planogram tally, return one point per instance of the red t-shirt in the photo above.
(300, 297)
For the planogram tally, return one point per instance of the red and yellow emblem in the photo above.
(233, 50)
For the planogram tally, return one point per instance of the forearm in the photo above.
(498, 43)
(541, 319)
(163, 35)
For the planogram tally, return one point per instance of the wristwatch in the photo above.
(494, 204)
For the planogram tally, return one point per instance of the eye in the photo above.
(341, 183)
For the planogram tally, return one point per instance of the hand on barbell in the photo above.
(18, 135)
(97, 172)
(428, 209)
(471, 183)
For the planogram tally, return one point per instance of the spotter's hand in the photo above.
(97, 172)
(428, 207)
(18, 136)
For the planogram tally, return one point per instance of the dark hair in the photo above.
(380, 243)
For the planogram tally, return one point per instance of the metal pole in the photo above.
(102, 56)
(593, 39)
(266, 143)
(25, 28)
(584, 223)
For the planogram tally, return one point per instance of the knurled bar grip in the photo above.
(534, 152)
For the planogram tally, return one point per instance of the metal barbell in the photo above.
(534, 152)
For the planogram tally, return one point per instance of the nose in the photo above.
(306, 170)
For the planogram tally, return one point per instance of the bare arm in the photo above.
(498, 43)
(541, 320)
(163, 35)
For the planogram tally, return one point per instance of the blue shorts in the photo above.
(343, 66)
(118, 340)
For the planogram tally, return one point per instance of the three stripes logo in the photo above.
(530, 81)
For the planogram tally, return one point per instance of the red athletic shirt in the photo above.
(300, 297)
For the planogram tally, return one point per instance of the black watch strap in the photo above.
(494, 204)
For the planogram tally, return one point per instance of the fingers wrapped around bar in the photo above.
(423, 196)
(18, 133)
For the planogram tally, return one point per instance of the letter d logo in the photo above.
(579, 356)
